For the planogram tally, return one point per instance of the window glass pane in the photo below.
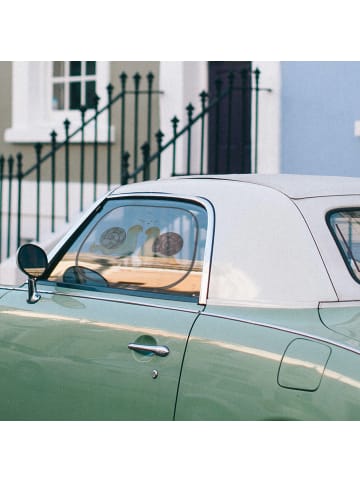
(75, 95)
(90, 94)
(90, 68)
(345, 227)
(156, 246)
(58, 69)
(58, 97)
(75, 68)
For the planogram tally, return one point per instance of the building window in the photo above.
(73, 85)
(44, 94)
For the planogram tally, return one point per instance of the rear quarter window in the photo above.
(344, 225)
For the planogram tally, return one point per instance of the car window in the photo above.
(136, 244)
(345, 227)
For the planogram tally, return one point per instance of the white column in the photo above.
(269, 123)
(181, 83)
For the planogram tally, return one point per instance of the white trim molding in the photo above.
(33, 118)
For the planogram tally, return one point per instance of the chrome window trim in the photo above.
(205, 203)
(115, 300)
(203, 313)
(285, 330)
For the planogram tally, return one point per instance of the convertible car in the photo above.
(230, 297)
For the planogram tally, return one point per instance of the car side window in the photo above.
(345, 227)
(154, 245)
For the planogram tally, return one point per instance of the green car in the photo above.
(230, 297)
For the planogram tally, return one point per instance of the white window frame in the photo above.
(66, 80)
(33, 118)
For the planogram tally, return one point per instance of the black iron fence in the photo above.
(142, 161)
(224, 94)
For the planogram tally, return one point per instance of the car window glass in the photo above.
(345, 227)
(153, 245)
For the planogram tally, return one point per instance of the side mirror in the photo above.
(32, 261)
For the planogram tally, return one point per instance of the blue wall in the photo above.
(319, 105)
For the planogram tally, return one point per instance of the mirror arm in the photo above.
(33, 295)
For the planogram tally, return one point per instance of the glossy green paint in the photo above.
(67, 358)
(343, 318)
(236, 370)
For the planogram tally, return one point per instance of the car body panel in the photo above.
(343, 318)
(252, 370)
(67, 357)
(273, 335)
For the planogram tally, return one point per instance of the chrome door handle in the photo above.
(155, 349)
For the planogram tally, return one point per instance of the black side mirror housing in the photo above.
(32, 260)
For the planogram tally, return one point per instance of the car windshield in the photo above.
(345, 227)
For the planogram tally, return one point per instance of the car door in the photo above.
(107, 338)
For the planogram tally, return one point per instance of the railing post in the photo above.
(10, 178)
(96, 102)
(146, 154)
(67, 125)
(125, 168)
(257, 77)
(82, 157)
(203, 97)
(19, 158)
(175, 121)
(38, 147)
(137, 78)
(190, 110)
(123, 78)
(110, 89)
(53, 179)
(2, 162)
(150, 78)
(159, 136)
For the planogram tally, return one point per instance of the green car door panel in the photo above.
(67, 356)
(247, 370)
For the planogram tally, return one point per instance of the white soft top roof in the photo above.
(295, 186)
(270, 231)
